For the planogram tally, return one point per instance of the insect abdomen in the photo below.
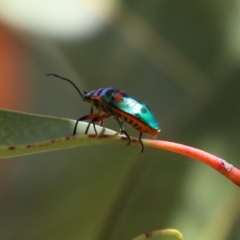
(136, 123)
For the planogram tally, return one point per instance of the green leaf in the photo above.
(87, 187)
(166, 234)
(22, 134)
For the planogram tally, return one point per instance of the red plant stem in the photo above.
(222, 166)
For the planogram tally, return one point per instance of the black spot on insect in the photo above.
(143, 110)
(130, 122)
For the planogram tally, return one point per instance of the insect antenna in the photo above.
(68, 80)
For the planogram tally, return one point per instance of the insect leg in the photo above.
(78, 120)
(96, 119)
(100, 122)
(91, 110)
(86, 117)
(140, 140)
(93, 117)
(122, 130)
(88, 126)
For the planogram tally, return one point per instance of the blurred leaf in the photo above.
(166, 234)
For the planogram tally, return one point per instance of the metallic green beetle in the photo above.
(111, 102)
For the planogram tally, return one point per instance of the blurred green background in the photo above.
(180, 57)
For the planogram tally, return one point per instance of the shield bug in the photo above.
(112, 102)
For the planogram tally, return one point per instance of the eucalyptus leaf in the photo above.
(22, 134)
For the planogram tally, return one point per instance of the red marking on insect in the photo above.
(67, 138)
(29, 146)
(12, 148)
(118, 97)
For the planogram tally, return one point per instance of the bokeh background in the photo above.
(180, 57)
